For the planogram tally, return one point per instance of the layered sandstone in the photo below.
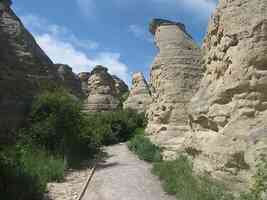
(24, 68)
(103, 95)
(120, 85)
(139, 98)
(69, 80)
(84, 76)
(174, 78)
(229, 111)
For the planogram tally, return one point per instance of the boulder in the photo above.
(121, 86)
(139, 98)
(84, 76)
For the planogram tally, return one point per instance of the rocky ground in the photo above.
(122, 176)
(73, 185)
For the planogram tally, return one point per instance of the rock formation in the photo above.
(121, 86)
(103, 94)
(69, 79)
(24, 67)
(174, 78)
(84, 76)
(139, 98)
(229, 111)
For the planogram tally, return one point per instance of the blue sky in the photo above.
(114, 33)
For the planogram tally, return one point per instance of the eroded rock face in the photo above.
(24, 67)
(229, 111)
(84, 76)
(121, 86)
(139, 98)
(103, 94)
(69, 79)
(174, 78)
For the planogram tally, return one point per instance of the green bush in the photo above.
(178, 179)
(259, 187)
(114, 127)
(144, 148)
(25, 172)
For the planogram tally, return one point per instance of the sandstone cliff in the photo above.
(84, 76)
(69, 80)
(24, 67)
(229, 112)
(120, 85)
(103, 95)
(139, 98)
(174, 78)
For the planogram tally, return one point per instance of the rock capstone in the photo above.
(140, 97)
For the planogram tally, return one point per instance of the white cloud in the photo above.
(62, 46)
(140, 32)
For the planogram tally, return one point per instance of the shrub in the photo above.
(259, 188)
(114, 127)
(144, 148)
(24, 173)
(177, 178)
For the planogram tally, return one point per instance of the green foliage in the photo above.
(178, 179)
(144, 148)
(25, 172)
(259, 187)
(114, 127)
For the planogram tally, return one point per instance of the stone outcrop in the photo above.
(174, 78)
(229, 112)
(69, 80)
(103, 95)
(24, 67)
(120, 85)
(139, 98)
(84, 76)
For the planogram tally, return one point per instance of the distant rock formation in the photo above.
(24, 68)
(69, 79)
(229, 111)
(139, 98)
(121, 86)
(103, 95)
(174, 78)
(84, 76)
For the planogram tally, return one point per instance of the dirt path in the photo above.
(122, 176)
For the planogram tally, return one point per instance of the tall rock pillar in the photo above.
(174, 78)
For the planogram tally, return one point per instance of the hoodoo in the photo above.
(103, 95)
(139, 98)
(174, 78)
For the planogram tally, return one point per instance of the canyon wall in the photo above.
(24, 67)
(140, 97)
(24, 71)
(229, 112)
(174, 78)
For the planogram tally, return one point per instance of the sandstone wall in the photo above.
(23, 68)
(174, 78)
(229, 111)
(69, 80)
(140, 97)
